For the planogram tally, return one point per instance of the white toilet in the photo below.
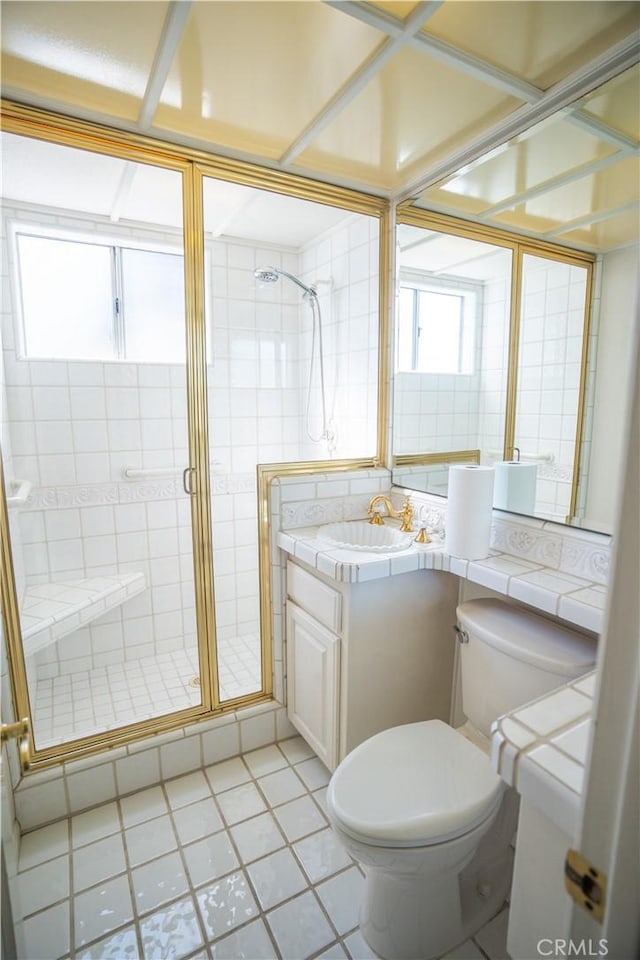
(419, 805)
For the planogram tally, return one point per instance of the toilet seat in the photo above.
(413, 785)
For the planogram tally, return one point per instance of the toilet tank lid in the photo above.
(528, 637)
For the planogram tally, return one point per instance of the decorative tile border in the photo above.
(571, 550)
(586, 558)
(528, 542)
(110, 494)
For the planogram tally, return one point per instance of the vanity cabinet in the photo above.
(362, 657)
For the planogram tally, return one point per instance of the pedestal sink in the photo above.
(364, 536)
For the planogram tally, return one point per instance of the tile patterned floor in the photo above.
(236, 861)
(90, 701)
(239, 666)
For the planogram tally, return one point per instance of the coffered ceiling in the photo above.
(523, 115)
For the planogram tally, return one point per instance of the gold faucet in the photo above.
(405, 514)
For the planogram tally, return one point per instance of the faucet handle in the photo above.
(406, 515)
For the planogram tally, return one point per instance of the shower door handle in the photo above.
(187, 484)
(20, 731)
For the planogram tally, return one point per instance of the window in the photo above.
(95, 300)
(436, 328)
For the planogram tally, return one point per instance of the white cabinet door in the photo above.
(313, 665)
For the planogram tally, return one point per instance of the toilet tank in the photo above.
(513, 656)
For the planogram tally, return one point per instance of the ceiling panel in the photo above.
(617, 102)
(541, 41)
(615, 232)
(82, 54)
(616, 186)
(413, 112)
(547, 151)
(254, 82)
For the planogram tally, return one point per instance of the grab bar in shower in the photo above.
(541, 457)
(147, 473)
(22, 490)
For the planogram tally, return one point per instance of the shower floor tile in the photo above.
(211, 892)
(91, 701)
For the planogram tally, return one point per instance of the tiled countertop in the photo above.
(578, 601)
(541, 749)
(50, 611)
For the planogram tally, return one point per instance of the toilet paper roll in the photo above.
(469, 509)
(515, 486)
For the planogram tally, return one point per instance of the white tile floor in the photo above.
(236, 861)
(90, 701)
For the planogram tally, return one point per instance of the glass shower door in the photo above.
(97, 439)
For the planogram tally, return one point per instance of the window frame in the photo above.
(116, 244)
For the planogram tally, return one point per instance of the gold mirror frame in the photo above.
(520, 245)
(194, 165)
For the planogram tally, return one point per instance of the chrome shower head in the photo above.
(266, 274)
(271, 274)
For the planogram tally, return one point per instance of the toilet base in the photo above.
(411, 915)
(401, 918)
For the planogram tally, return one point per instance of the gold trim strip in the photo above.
(384, 336)
(196, 335)
(514, 349)
(11, 613)
(582, 394)
(450, 456)
(53, 128)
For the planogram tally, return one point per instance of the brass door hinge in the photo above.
(21, 731)
(585, 884)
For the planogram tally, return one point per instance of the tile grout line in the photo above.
(172, 804)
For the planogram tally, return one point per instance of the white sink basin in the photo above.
(365, 536)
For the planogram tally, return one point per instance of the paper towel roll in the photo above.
(515, 486)
(469, 506)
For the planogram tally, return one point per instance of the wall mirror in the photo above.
(571, 179)
(452, 354)
(490, 365)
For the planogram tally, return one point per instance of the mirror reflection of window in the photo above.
(452, 345)
(436, 328)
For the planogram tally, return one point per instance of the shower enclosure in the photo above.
(139, 596)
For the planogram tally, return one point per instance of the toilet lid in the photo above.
(413, 785)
